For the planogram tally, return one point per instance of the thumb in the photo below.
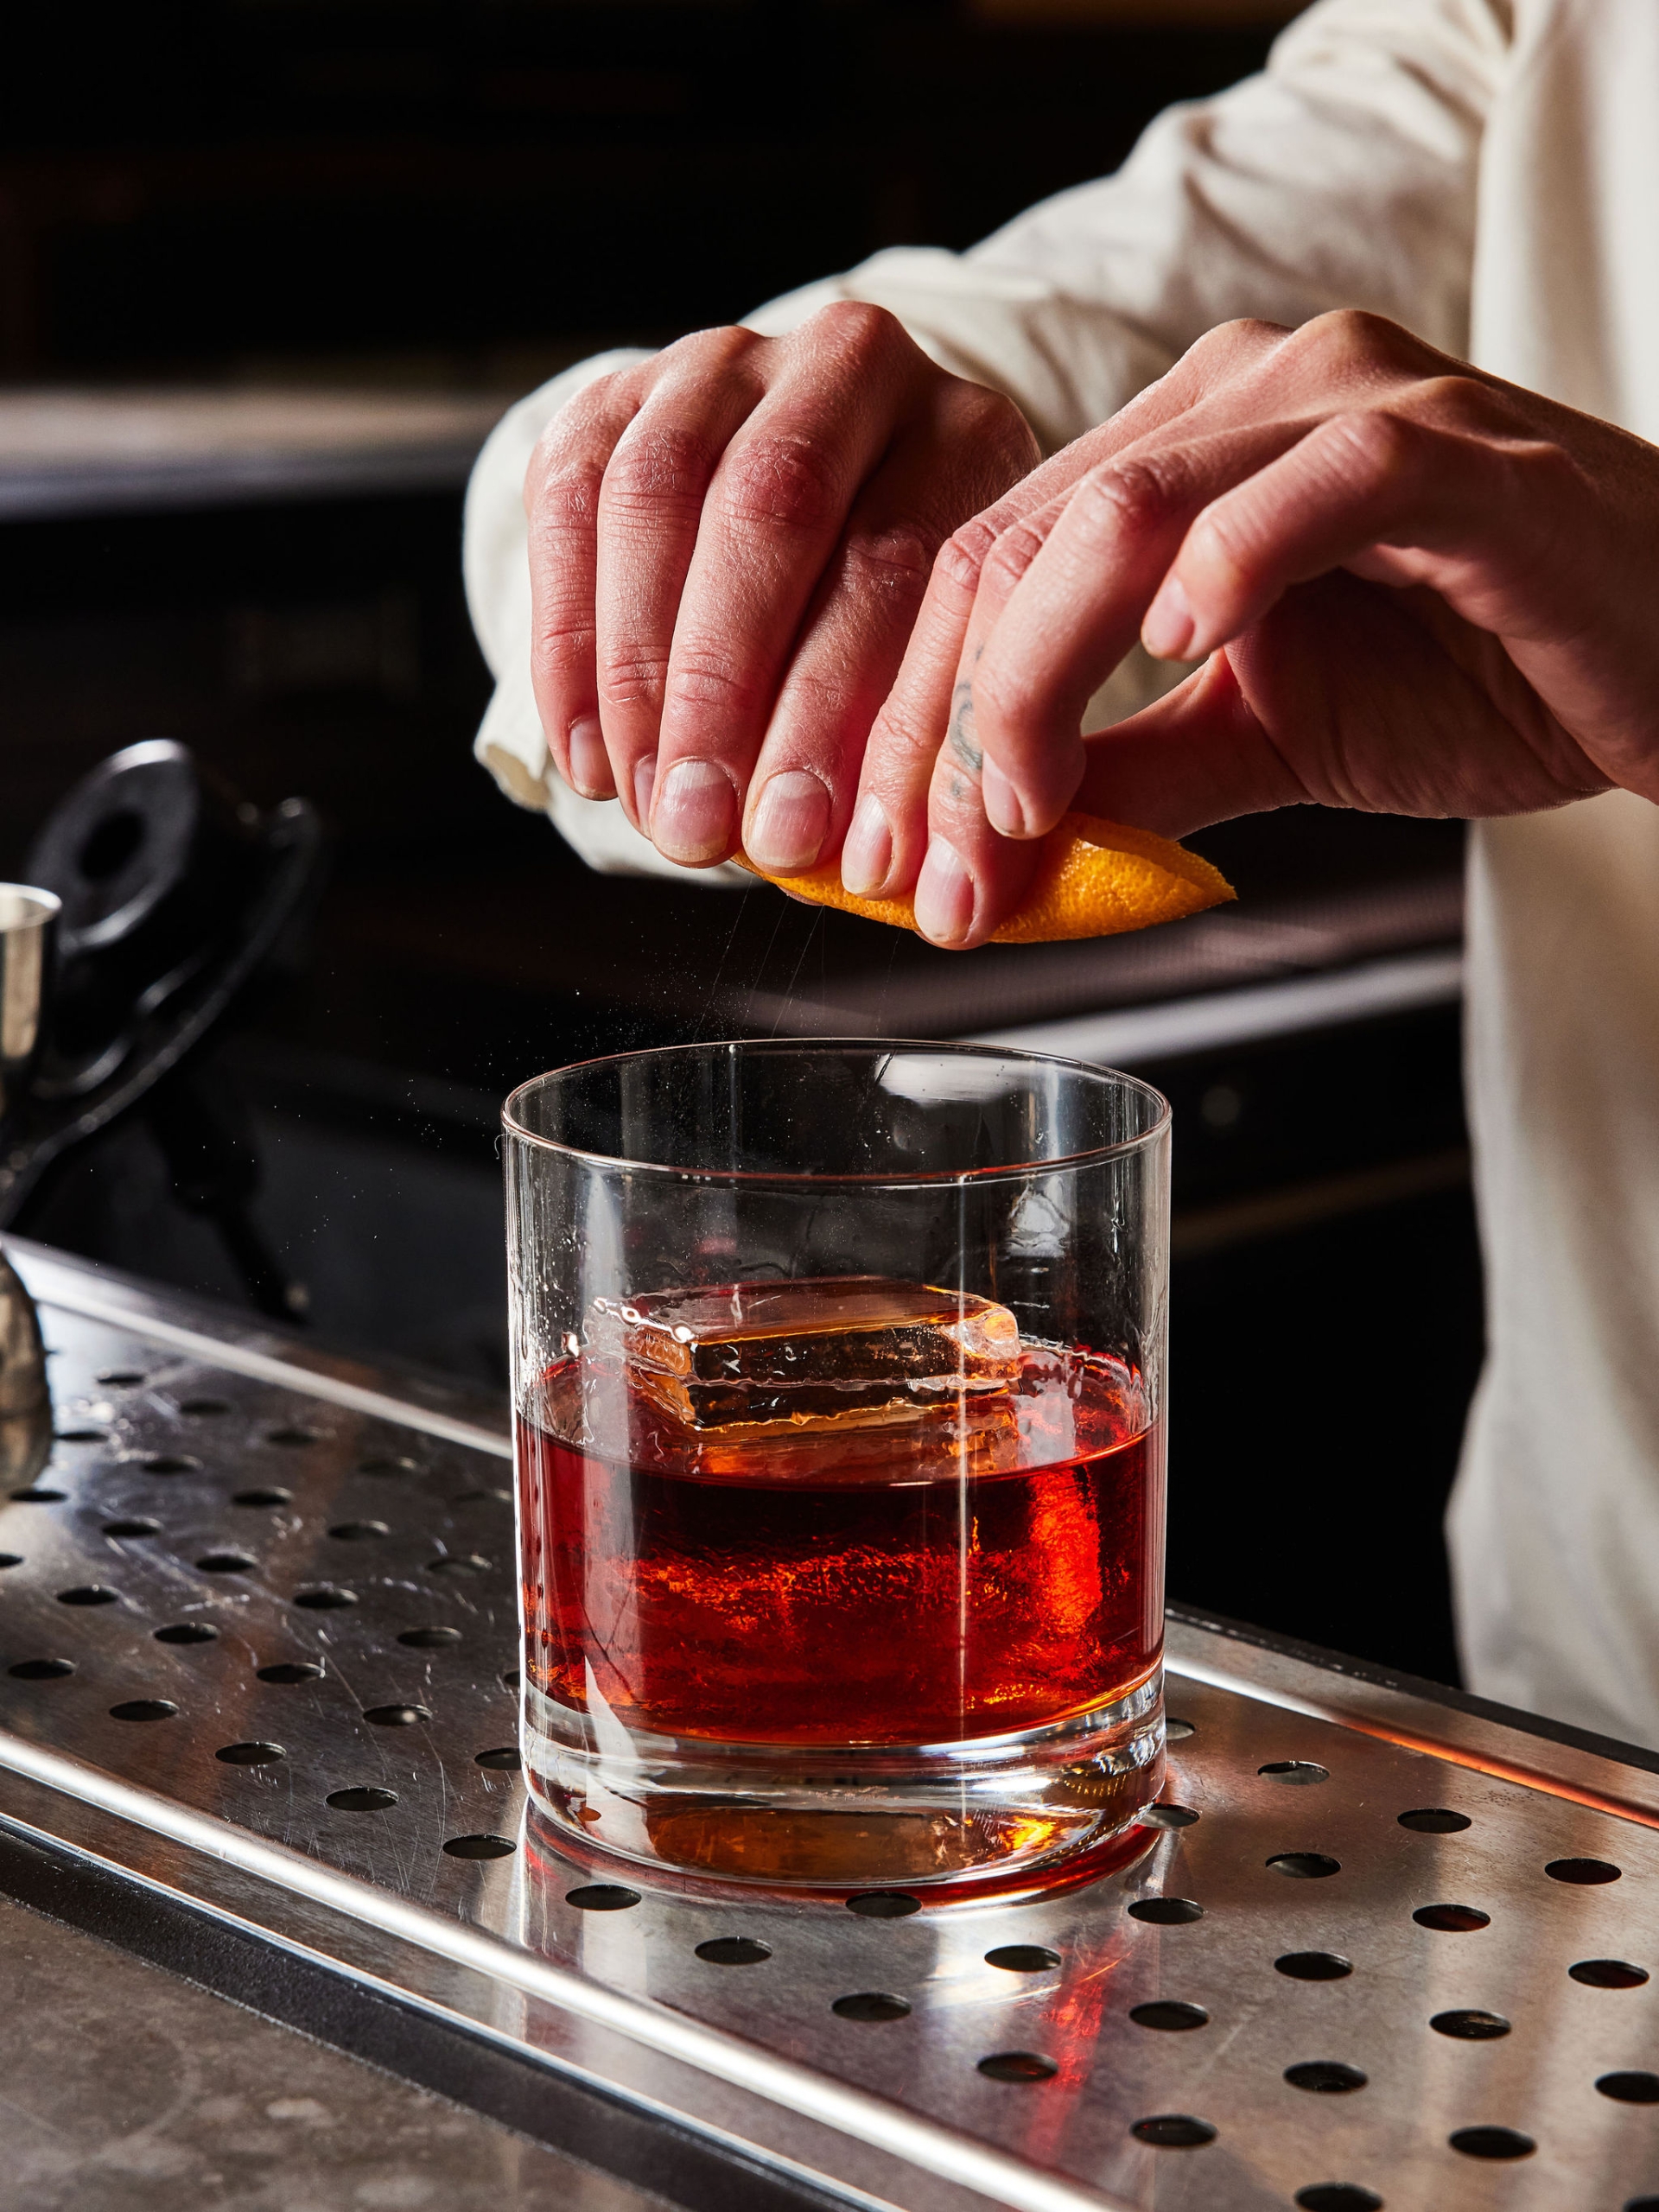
(1195, 756)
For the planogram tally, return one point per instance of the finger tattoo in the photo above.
(962, 729)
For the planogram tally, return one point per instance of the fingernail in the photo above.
(645, 774)
(867, 857)
(1167, 634)
(792, 818)
(590, 765)
(692, 815)
(944, 895)
(1004, 809)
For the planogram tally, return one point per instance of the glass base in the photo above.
(859, 1816)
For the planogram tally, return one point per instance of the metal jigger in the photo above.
(27, 918)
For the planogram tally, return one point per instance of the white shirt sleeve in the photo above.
(1346, 175)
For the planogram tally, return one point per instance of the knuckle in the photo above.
(714, 348)
(705, 677)
(1015, 548)
(1242, 334)
(1126, 498)
(901, 743)
(859, 327)
(657, 466)
(1372, 445)
(1462, 402)
(631, 677)
(564, 501)
(561, 649)
(788, 481)
(960, 562)
(1353, 338)
(893, 561)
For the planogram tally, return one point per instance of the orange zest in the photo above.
(1095, 879)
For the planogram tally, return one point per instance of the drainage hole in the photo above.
(1630, 2089)
(226, 1563)
(458, 1563)
(1337, 2196)
(479, 1846)
(734, 1951)
(11, 1559)
(1167, 1817)
(1166, 1912)
(602, 1897)
(1178, 1731)
(871, 2005)
(249, 1754)
(1299, 1771)
(326, 1600)
(290, 1670)
(187, 1632)
(483, 1497)
(512, 1679)
(88, 1594)
(81, 1436)
(1170, 2013)
(1608, 1973)
(263, 1497)
(883, 1904)
(1022, 1958)
(1174, 2131)
(1471, 2026)
(41, 1670)
(122, 1378)
(1018, 2066)
(144, 1708)
(1583, 1873)
(429, 1639)
(1328, 2077)
(361, 1801)
(1314, 1966)
(358, 1532)
(1435, 1819)
(36, 1494)
(293, 1440)
(1491, 2143)
(1451, 1919)
(138, 1526)
(1305, 1865)
(170, 1463)
(507, 1760)
(203, 1408)
(387, 1466)
(397, 1716)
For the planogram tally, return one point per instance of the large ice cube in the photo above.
(825, 1351)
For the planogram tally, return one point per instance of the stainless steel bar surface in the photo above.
(257, 1662)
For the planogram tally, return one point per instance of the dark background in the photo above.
(467, 195)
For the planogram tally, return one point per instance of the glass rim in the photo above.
(1005, 1171)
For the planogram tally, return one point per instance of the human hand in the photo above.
(728, 545)
(1419, 590)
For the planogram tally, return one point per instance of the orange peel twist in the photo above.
(1095, 879)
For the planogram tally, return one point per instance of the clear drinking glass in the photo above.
(839, 1377)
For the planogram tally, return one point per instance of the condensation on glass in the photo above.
(839, 1378)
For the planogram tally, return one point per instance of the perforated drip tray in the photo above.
(258, 1653)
